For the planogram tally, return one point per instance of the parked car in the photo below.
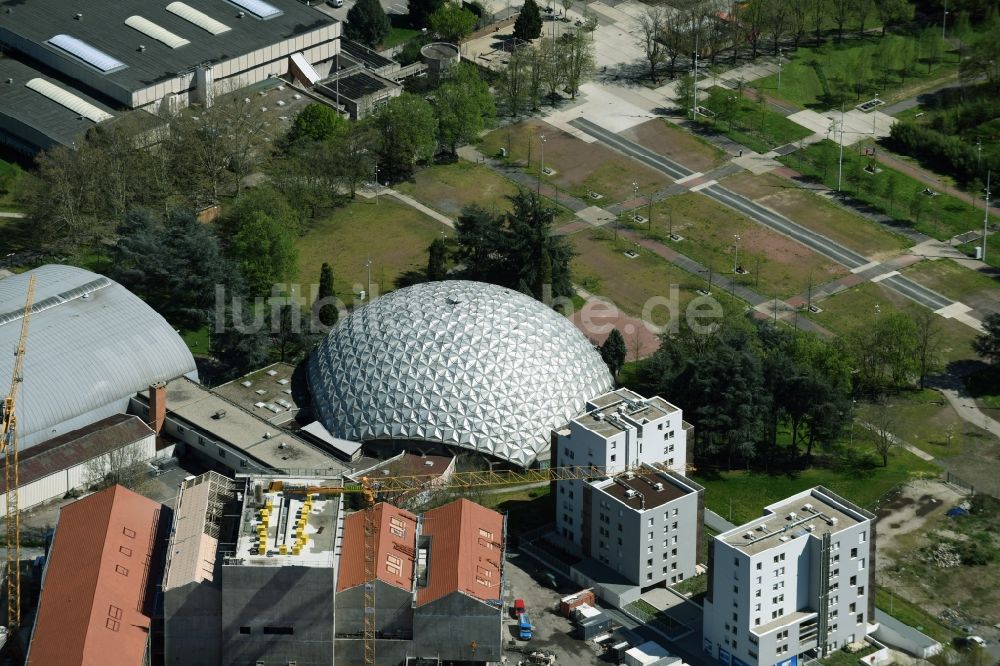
(518, 608)
(976, 640)
(335, 3)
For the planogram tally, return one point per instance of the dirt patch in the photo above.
(596, 322)
(671, 141)
(908, 511)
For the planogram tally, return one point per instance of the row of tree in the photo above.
(368, 23)
(749, 385)
(545, 70)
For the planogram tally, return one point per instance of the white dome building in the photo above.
(466, 364)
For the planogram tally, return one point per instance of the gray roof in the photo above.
(91, 343)
(465, 363)
(79, 446)
(102, 26)
(21, 105)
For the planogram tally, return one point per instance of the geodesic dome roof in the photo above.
(463, 363)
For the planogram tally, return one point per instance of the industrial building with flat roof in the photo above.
(92, 345)
(794, 584)
(272, 568)
(206, 424)
(97, 603)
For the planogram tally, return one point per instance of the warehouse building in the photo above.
(97, 603)
(794, 584)
(71, 67)
(92, 344)
(71, 461)
(639, 529)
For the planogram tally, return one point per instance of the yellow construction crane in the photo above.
(371, 487)
(8, 442)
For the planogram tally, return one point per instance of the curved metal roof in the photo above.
(91, 343)
(464, 363)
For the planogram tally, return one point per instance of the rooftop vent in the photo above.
(748, 535)
(810, 528)
(10, 80)
(142, 47)
(428, 463)
(783, 538)
(807, 507)
(219, 414)
(833, 520)
(240, 14)
(281, 445)
(658, 486)
(792, 515)
(267, 435)
(598, 416)
(630, 493)
(78, 17)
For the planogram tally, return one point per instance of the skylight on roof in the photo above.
(83, 51)
(150, 29)
(67, 99)
(258, 8)
(200, 19)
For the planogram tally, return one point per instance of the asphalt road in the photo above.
(814, 241)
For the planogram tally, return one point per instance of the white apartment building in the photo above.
(792, 584)
(644, 526)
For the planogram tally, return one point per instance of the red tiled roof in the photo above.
(465, 551)
(90, 610)
(394, 548)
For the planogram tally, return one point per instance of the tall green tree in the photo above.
(528, 24)
(464, 106)
(452, 22)
(578, 58)
(437, 260)
(987, 344)
(403, 132)
(891, 12)
(367, 23)
(317, 122)
(327, 312)
(174, 264)
(264, 251)
(614, 352)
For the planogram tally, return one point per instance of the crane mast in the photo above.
(8, 441)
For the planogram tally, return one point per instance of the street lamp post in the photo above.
(368, 286)
(874, 111)
(376, 181)
(944, 19)
(986, 214)
(736, 255)
(779, 69)
(694, 89)
(635, 195)
(541, 163)
(840, 160)
(979, 153)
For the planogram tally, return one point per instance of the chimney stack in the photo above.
(157, 406)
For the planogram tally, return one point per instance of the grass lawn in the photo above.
(393, 234)
(810, 74)
(975, 289)
(580, 167)
(197, 341)
(925, 419)
(602, 268)
(448, 188)
(844, 658)
(740, 496)
(750, 123)
(941, 216)
(525, 509)
(667, 139)
(708, 229)
(992, 249)
(854, 307)
(397, 35)
(814, 212)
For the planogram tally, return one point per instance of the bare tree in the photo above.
(549, 62)
(929, 337)
(862, 10)
(840, 12)
(818, 10)
(124, 466)
(777, 18)
(883, 425)
(578, 59)
(513, 82)
(753, 19)
(797, 17)
(653, 23)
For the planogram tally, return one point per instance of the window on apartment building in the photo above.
(614, 445)
(833, 614)
(757, 594)
(760, 566)
(129, 533)
(670, 449)
(852, 607)
(673, 566)
(854, 553)
(756, 622)
(673, 552)
(649, 562)
(735, 618)
(854, 581)
(600, 544)
(835, 559)
(861, 537)
(613, 457)
(673, 540)
(664, 569)
(649, 576)
(285, 631)
(860, 618)
(775, 559)
(834, 599)
(562, 490)
(670, 435)
(649, 537)
(650, 522)
(674, 513)
(736, 561)
(774, 615)
(736, 603)
(393, 565)
(244, 630)
(861, 591)
(619, 541)
(835, 573)
(861, 564)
